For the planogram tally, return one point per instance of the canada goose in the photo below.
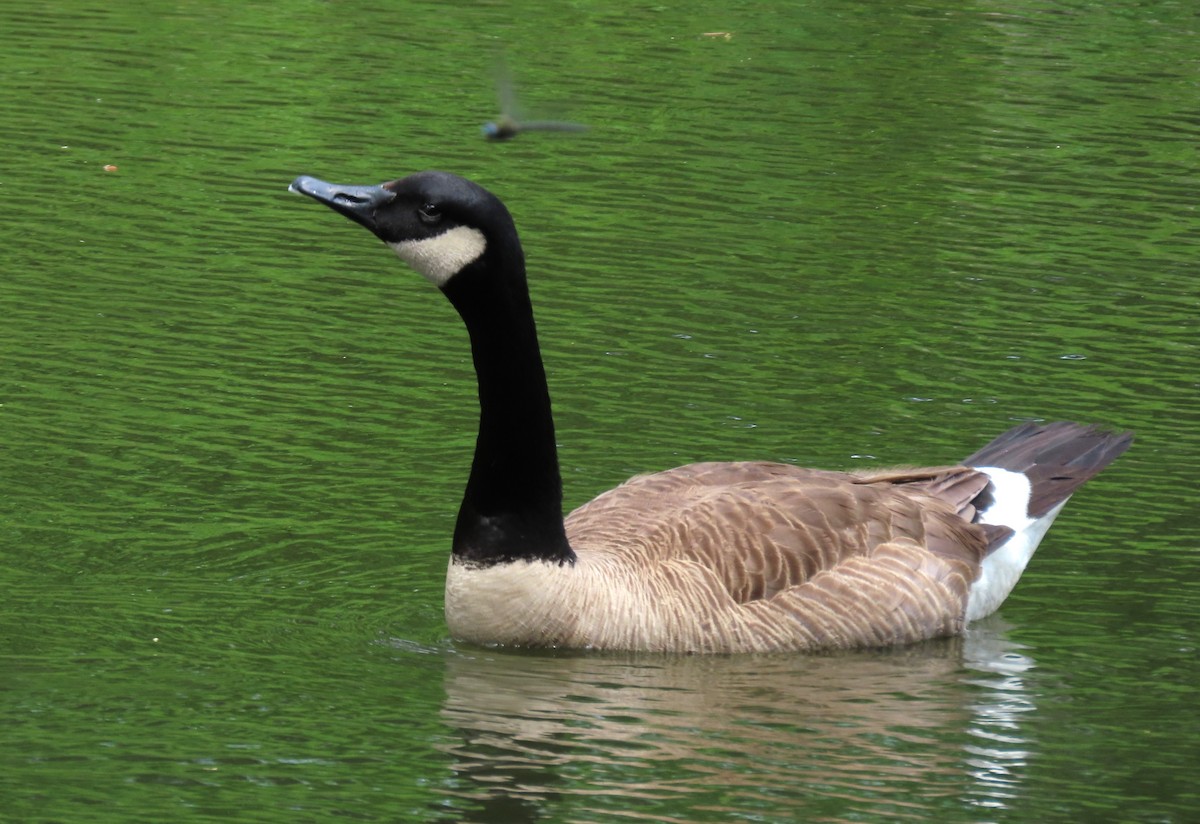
(709, 557)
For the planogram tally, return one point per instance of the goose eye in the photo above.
(429, 213)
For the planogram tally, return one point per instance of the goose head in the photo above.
(438, 223)
(461, 238)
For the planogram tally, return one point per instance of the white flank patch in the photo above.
(1000, 570)
(442, 257)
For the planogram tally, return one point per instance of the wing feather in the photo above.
(836, 558)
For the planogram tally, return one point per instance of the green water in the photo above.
(234, 429)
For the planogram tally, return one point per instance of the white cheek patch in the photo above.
(442, 257)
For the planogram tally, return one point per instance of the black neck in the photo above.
(512, 507)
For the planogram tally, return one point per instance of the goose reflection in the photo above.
(768, 736)
(997, 752)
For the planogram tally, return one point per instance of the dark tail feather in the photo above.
(1057, 458)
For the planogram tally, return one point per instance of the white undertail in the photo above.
(1001, 569)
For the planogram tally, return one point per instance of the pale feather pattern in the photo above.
(742, 557)
(441, 257)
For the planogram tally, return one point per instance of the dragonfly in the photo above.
(506, 126)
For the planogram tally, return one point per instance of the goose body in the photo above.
(709, 557)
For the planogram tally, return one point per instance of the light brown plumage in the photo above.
(738, 557)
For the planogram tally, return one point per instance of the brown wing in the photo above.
(816, 558)
(763, 528)
(961, 487)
